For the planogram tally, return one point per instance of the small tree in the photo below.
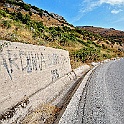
(41, 13)
(20, 16)
(30, 13)
(26, 19)
(26, 7)
(6, 24)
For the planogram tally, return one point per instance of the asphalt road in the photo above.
(102, 101)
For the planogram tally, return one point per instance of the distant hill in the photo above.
(22, 22)
(111, 34)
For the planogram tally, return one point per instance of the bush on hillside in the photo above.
(30, 13)
(41, 13)
(3, 13)
(26, 19)
(87, 54)
(26, 7)
(6, 24)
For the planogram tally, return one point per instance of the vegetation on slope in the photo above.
(115, 36)
(19, 25)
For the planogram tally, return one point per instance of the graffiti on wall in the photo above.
(31, 61)
(55, 74)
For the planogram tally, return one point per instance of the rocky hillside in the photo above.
(48, 19)
(21, 22)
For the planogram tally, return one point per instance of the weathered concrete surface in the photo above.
(77, 73)
(31, 76)
(25, 72)
(101, 100)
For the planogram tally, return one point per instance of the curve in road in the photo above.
(102, 101)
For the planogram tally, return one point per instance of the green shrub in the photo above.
(26, 19)
(35, 8)
(104, 46)
(65, 28)
(6, 24)
(3, 13)
(82, 42)
(39, 25)
(30, 13)
(78, 30)
(62, 24)
(26, 7)
(41, 13)
(87, 54)
(89, 42)
(19, 16)
(58, 29)
(107, 56)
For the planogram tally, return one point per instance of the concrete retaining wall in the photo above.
(27, 72)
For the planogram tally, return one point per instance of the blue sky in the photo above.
(100, 13)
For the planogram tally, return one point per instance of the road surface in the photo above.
(102, 101)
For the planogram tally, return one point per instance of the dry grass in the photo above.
(45, 114)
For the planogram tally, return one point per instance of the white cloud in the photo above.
(89, 5)
(112, 2)
(116, 11)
